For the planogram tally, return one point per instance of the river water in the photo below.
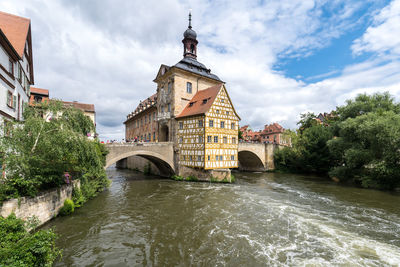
(264, 219)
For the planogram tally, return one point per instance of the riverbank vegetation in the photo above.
(19, 247)
(359, 142)
(48, 149)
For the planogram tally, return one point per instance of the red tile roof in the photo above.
(40, 91)
(81, 106)
(16, 30)
(272, 128)
(196, 106)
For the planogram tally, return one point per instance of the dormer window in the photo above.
(205, 101)
(191, 104)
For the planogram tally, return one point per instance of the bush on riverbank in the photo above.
(48, 149)
(68, 207)
(18, 247)
(359, 144)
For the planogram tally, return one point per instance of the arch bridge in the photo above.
(252, 156)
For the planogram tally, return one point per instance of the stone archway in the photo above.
(249, 161)
(159, 154)
(164, 134)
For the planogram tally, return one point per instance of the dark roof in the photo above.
(189, 33)
(144, 105)
(197, 106)
(192, 65)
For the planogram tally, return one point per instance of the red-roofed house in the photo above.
(16, 65)
(274, 133)
(38, 95)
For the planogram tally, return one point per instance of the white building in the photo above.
(16, 66)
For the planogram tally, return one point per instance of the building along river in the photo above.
(263, 219)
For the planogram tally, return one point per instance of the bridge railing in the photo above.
(138, 143)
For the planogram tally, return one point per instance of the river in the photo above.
(264, 219)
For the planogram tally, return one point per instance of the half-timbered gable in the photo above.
(208, 130)
(221, 133)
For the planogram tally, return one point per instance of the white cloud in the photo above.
(384, 36)
(108, 53)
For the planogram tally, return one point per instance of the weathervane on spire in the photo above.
(190, 18)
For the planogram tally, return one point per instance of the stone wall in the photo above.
(205, 175)
(45, 206)
(139, 163)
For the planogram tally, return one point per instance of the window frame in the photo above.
(189, 87)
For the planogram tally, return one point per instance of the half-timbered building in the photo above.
(193, 110)
(208, 131)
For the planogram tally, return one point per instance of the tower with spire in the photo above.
(193, 110)
(189, 41)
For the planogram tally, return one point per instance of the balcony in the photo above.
(163, 116)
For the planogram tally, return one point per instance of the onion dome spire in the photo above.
(189, 41)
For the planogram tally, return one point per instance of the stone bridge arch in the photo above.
(251, 157)
(160, 154)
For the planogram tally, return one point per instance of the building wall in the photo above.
(142, 125)
(140, 163)
(170, 103)
(10, 83)
(191, 141)
(181, 96)
(229, 150)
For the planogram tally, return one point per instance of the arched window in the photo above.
(192, 48)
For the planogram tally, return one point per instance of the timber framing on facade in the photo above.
(192, 109)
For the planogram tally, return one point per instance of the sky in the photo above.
(278, 58)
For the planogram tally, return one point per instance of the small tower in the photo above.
(189, 41)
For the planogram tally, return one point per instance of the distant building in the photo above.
(16, 65)
(142, 122)
(275, 133)
(87, 109)
(248, 135)
(323, 118)
(38, 95)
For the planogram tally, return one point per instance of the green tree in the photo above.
(313, 150)
(307, 120)
(52, 140)
(363, 104)
(367, 150)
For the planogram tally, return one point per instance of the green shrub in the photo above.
(18, 247)
(78, 197)
(68, 207)
(191, 178)
(177, 178)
